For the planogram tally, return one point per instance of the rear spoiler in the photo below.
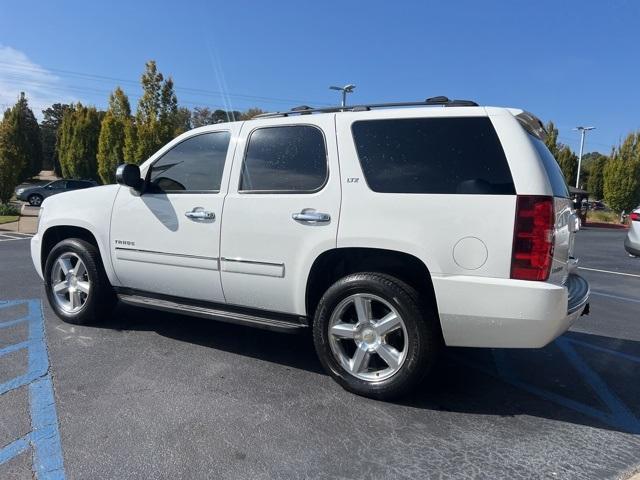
(532, 124)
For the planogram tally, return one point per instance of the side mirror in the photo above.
(128, 174)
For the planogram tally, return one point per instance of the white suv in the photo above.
(388, 229)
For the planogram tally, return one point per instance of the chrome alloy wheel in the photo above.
(368, 337)
(70, 282)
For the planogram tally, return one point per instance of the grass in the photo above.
(8, 218)
(602, 216)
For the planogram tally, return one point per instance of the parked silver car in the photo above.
(632, 242)
(36, 194)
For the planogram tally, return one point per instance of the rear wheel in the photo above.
(77, 287)
(35, 200)
(374, 336)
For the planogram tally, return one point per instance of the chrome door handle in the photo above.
(311, 216)
(199, 213)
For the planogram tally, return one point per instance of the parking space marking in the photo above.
(8, 237)
(617, 414)
(609, 271)
(44, 437)
(617, 297)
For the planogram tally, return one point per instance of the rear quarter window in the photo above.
(556, 178)
(454, 155)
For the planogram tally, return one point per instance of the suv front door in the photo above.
(281, 211)
(167, 239)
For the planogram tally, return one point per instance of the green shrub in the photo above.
(8, 210)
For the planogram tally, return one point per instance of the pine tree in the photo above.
(12, 158)
(158, 118)
(567, 160)
(622, 175)
(111, 142)
(25, 137)
(77, 144)
(49, 130)
(595, 183)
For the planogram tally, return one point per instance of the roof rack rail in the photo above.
(305, 109)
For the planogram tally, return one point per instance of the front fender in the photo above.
(89, 209)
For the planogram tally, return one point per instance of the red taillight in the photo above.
(533, 238)
(635, 216)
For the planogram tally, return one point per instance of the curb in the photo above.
(612, 226)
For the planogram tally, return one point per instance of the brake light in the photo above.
(532, 253)
(635, 216)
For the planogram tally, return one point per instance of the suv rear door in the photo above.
(281, 211)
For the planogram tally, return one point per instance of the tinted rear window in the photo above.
(461, 155)
(556, 178)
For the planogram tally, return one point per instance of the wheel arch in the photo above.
(56, 233)
(331, 265)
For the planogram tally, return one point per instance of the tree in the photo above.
(25, 137)
(567, 160)
(52, 117)
(252, 112)
(158, 119)
(12, 158)
(111, 142)
(201, 116)
(622, 175)
(77, 143)
(183, 121)
(595, 182)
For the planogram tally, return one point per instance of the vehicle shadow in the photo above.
(579, 378)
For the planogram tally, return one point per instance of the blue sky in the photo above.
(574, 62)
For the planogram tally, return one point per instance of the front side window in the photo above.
(194, 165)
(285, 159)
(58, 185)
(454, 155)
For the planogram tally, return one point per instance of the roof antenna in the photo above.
(346, 89)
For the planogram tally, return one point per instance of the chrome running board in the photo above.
(256, 318)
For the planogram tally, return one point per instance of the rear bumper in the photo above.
(504, 313)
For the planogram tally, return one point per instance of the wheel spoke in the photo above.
(74, 297)
(388, 323)
(60, 287)
(363, 308)
(360, 360)
(343, 330)
(80, 269)
(65, 265)
(390, 355)
(83, 287)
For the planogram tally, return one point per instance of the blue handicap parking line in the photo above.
(44, 437)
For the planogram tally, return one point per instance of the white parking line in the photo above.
(617, 297)
(8, 238)
(609, 271)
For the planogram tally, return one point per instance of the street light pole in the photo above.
(346, 89)
(583, 131)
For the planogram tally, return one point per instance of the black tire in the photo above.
(35, 200)
(101, 298)
(422, 329)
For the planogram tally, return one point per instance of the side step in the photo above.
(291, 324)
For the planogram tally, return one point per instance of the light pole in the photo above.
(582, 131)
(346, 89)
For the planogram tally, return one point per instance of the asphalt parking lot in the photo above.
(150, 395)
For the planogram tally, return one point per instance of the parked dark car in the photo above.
(36, 194)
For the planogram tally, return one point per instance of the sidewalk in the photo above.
(23, 225)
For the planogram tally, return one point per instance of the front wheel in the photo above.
(35, 200)
(375, 336)
(77, 287)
